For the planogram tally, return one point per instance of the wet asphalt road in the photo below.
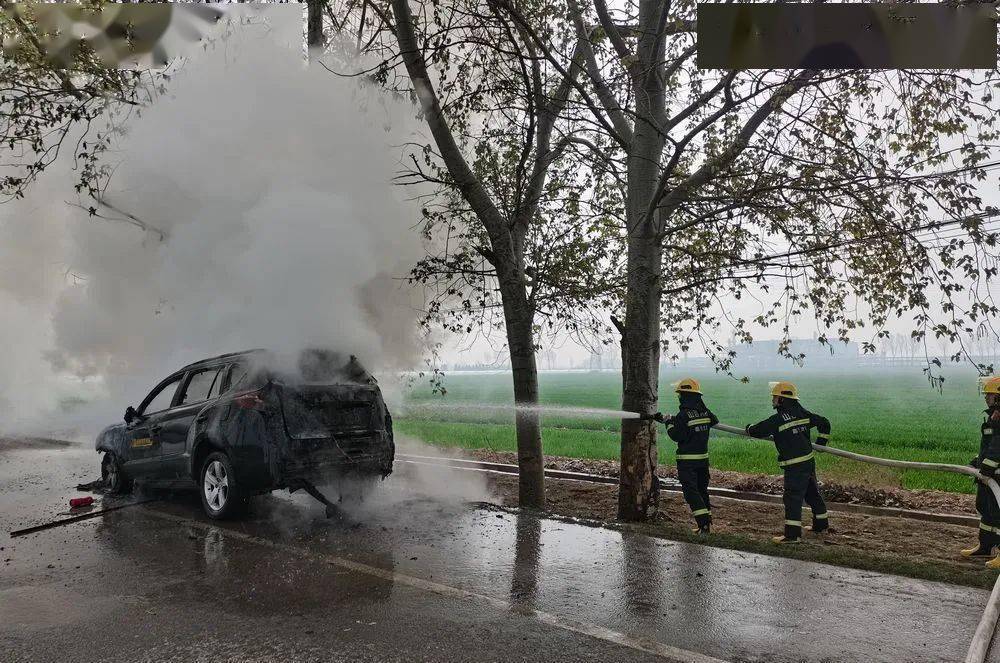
(420, 573)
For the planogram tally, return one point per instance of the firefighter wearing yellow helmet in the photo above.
(690, 429)
(987, 462)
(789, 427)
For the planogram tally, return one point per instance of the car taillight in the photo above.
(251, 400)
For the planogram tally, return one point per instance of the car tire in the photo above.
(221, 497)
(114, 476)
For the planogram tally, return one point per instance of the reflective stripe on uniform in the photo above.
(990, 463)
(791, 424)
(821, 516)
(701, 512)
(989, 528)
(822, 436)
(796, 461)
(794, 523)
(987, 431)
(698, 422)
(692, 456)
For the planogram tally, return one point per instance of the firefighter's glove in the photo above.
(974, 462)
(987, 471)
(822, 441)
(659, 417)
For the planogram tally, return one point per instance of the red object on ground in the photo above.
(80, 501)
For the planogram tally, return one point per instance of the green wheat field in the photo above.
(893, 414)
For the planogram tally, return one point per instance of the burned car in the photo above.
(245, 423)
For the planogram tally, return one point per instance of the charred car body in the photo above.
(240, 425)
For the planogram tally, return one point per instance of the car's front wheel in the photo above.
(116, 481)
(220, 492)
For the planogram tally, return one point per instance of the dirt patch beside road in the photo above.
(921, 500)
(888, 545)
(11, 443)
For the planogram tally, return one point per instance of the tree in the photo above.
(814, 180)
(506, 215)
(56, 87)
(44, 99)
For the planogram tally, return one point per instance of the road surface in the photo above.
(423, 573)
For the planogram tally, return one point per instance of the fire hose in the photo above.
(980, 645)
(889, 462)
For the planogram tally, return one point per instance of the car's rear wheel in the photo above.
(220, 492)
(115, 479)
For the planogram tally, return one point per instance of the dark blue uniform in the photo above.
(789, 427)
(987, 461)
(690, 429)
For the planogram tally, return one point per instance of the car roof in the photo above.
(228, 355)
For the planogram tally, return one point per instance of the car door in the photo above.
(199, 387)
(144, 446)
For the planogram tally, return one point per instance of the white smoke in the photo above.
(271, 184)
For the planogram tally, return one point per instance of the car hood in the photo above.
(111, 438)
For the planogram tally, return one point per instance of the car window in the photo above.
(238, 376)
(217, 385)
(162, 399)
(199, 385)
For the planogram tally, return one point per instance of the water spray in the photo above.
(540, 409)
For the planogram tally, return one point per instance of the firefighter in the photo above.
(789, 427)
(689, 428)
(986, 462)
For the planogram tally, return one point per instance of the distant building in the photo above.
(764, 354)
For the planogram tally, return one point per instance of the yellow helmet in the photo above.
(784, 389)
(990, 385)
(687, 386)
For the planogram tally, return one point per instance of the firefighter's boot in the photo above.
(793, 533)
(704, 519)
(820, 523)
(987, 542)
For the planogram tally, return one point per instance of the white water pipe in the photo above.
(980, 645)
(888, 462)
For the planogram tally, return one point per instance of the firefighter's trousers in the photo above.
(694, 478)
(801, 485)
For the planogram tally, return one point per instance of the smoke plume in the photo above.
(273, 223)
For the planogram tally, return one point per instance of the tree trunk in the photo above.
(637, 492)
(314, 24)
(519, 319)
(640, 370)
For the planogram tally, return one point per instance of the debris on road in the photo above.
(74, 519)
(77, 502)
(99, 486)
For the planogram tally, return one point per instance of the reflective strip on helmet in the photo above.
(796, 461)
(990, 463)
(692, 456)
(794, 523)
(791, 424)
(821, 516)
(701, 512)
(698, 422)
